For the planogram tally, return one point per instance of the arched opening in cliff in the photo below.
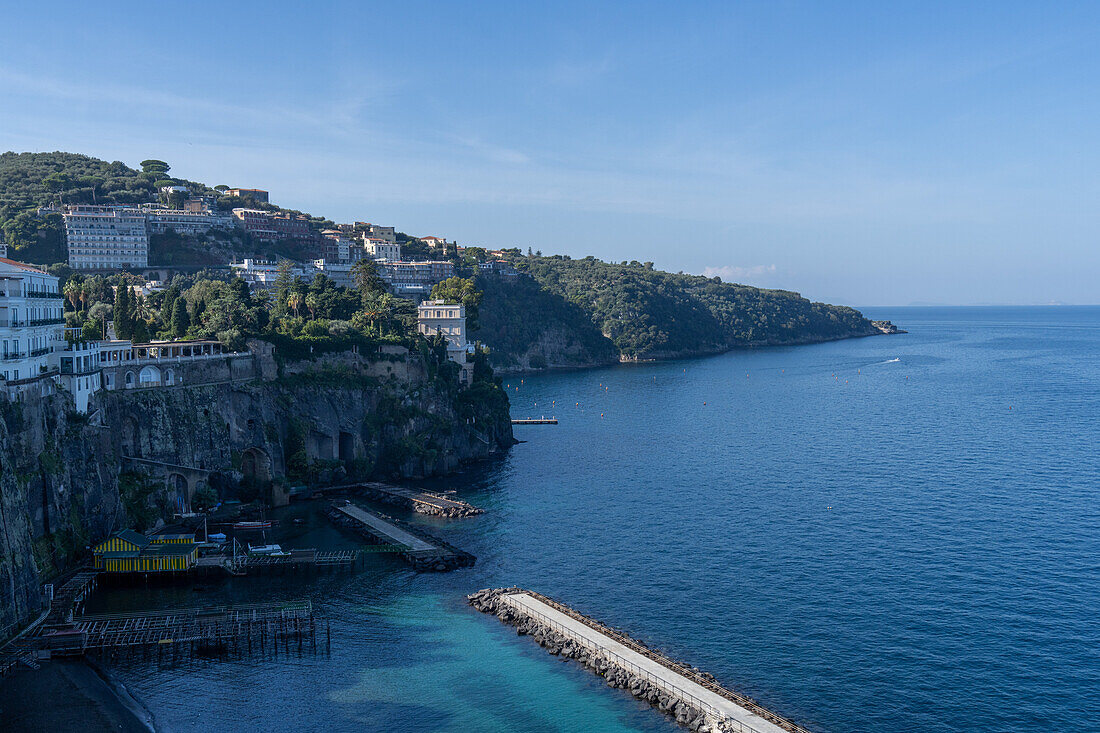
(131, 446)
(177, 488)
(256, 466)
(347, 446)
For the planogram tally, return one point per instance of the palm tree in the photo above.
(312, 302)
(294, 300)
(73, 292)
(372, 309)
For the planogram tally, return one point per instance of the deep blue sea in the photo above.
(897, 533)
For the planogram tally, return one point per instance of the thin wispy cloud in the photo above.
(735, 273)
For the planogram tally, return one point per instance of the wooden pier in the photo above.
(421, 502)
(297, 561)
(301, 560)
(539, 421)
(69, 598)
(252, 627)
(418, 548)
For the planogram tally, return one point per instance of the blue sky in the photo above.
(861, 153)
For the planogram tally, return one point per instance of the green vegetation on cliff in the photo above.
(29, 181)
(648, 313)
(576, 312)
(529, 327)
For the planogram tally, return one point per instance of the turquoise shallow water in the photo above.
(860, 543)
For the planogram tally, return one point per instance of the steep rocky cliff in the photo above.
(66, 481)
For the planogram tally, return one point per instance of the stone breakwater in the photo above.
(421, 502)
(660, 690)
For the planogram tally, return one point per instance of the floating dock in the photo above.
(421, 502)
(420, 549)
(539, 421)
(694, 698)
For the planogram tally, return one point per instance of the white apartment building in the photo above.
(437, 318)
(262, 273)
(338, 272)
(31, 323)
(80, 372)
(380, 249)
(106, 237)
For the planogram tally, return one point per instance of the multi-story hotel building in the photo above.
(185, 222)
(272, 226)
(106, 237)
(31, 324)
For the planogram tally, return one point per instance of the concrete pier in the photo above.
(694, 698)
(420, 549)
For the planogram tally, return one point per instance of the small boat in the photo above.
(274, 550)
(216, 537)
(252, 525)
(299, 520)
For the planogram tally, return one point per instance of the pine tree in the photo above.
(180, 321)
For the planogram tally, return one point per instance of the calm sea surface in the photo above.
(885, 534)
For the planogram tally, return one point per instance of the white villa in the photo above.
(437, 318)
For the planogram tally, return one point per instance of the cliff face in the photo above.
(58, 493)
(528, 328)
(67, 481)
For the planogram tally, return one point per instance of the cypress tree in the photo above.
(180, 321)
(124, 313)
(141, 332)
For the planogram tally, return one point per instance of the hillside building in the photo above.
(380, 249)
(31, 325)
(257, 194)
(414, 279)
(272, 226)
(183, 221)
(373, 231)
(106, 237)
(438, 318)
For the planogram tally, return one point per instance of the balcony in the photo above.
(41, 352)
(30, 294)
(13, 323)
(47, 322)
(13, 355)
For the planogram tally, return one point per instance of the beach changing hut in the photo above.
(128, 551)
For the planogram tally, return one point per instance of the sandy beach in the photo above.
(68, 696)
